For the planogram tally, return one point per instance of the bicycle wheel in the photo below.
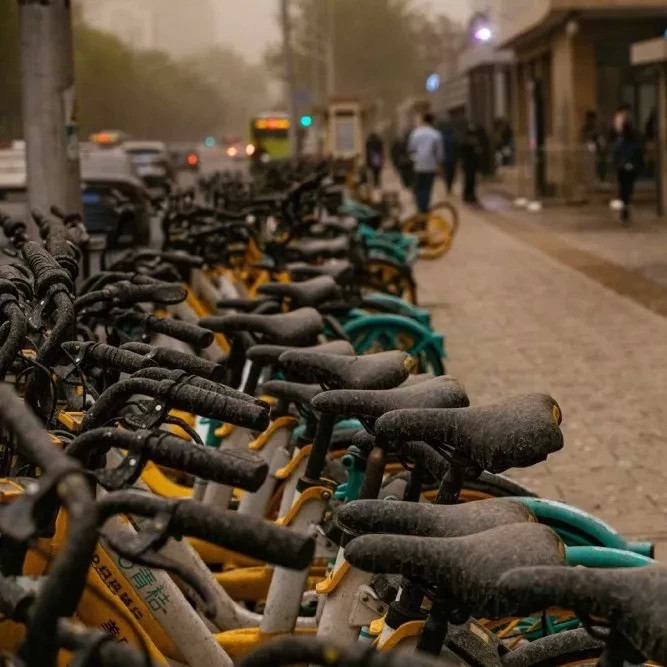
(389, 278)
(380, 333)
(435, 230)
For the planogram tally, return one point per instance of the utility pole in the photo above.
(331, 48)
(50, 125)
(290, 86)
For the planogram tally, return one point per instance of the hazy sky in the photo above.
(249, 25)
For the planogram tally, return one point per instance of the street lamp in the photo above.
(483, 34)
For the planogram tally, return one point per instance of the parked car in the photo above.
(13, 177)
(109, 180)
(184, 157)
(152, 164)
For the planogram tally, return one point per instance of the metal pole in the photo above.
(331, 48)
(49, 107)
(289, 75)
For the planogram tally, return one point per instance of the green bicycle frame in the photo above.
(581, 529)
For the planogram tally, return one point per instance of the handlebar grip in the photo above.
(242, 469)
(107, 651)
(182, 259)
(107, 356)
(185, 331)
(46, 271)
(180, 396)
(248, 535)
(197, 381)
(223, 408)
(125, 292)
(179, 360)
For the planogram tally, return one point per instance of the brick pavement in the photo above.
(517, 320)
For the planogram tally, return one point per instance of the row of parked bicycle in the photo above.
(242, 449)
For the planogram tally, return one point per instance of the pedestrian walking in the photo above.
(401, 160)
(375, 157)
(471, 158)
(427, 152)
(450, 143)
(628, 160)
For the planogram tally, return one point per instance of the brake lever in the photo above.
(126, 473)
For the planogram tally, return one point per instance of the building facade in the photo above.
(572, 62)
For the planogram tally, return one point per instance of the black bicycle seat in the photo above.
(300, 327)
(340, 270)
(467, 567)
(362, 517)
(295, 392)
(515, 432)
(633, 601)
(416, 379)
(334, 225)
(440, 392)
(310, 249)
(244, 305)
(383, 370)
(269, 354)
(313, 292)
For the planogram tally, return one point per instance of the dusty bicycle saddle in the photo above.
(312, 292)
(514, 432)
(300, 327)
(269, 354)
(382, 370)
(340, 270)
(295, 392)
(440, 392)
(314, 248)
(633, 601)
(363, 517)
(468, 568)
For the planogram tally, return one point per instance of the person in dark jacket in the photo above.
(375, 157)
(451, 145)
(472, 151)
(628, 160)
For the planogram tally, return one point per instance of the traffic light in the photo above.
(209, 142)
(306, 120)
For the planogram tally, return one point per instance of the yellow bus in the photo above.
(269, 136)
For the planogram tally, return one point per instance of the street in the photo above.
(520, 317)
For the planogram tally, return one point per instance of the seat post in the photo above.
(318, 454)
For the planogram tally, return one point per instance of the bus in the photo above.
(269, 136)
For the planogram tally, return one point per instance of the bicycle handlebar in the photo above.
(181, 396)
(107, 356)
(237, 468)
(252, 536)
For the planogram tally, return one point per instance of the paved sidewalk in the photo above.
(518, 320)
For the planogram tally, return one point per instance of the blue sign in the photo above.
(433, 82)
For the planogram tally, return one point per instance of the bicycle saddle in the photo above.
(468, 568)
(300, 327)
(515, 432)
(312, 248)
(244, 305)
(363, 517)
(382, 370)
(269, 354)
(313, 292)
(294, 392)
(440, 392)
(632, 600)
(341, 270)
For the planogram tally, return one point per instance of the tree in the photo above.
(384, 49)
(244, 86)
